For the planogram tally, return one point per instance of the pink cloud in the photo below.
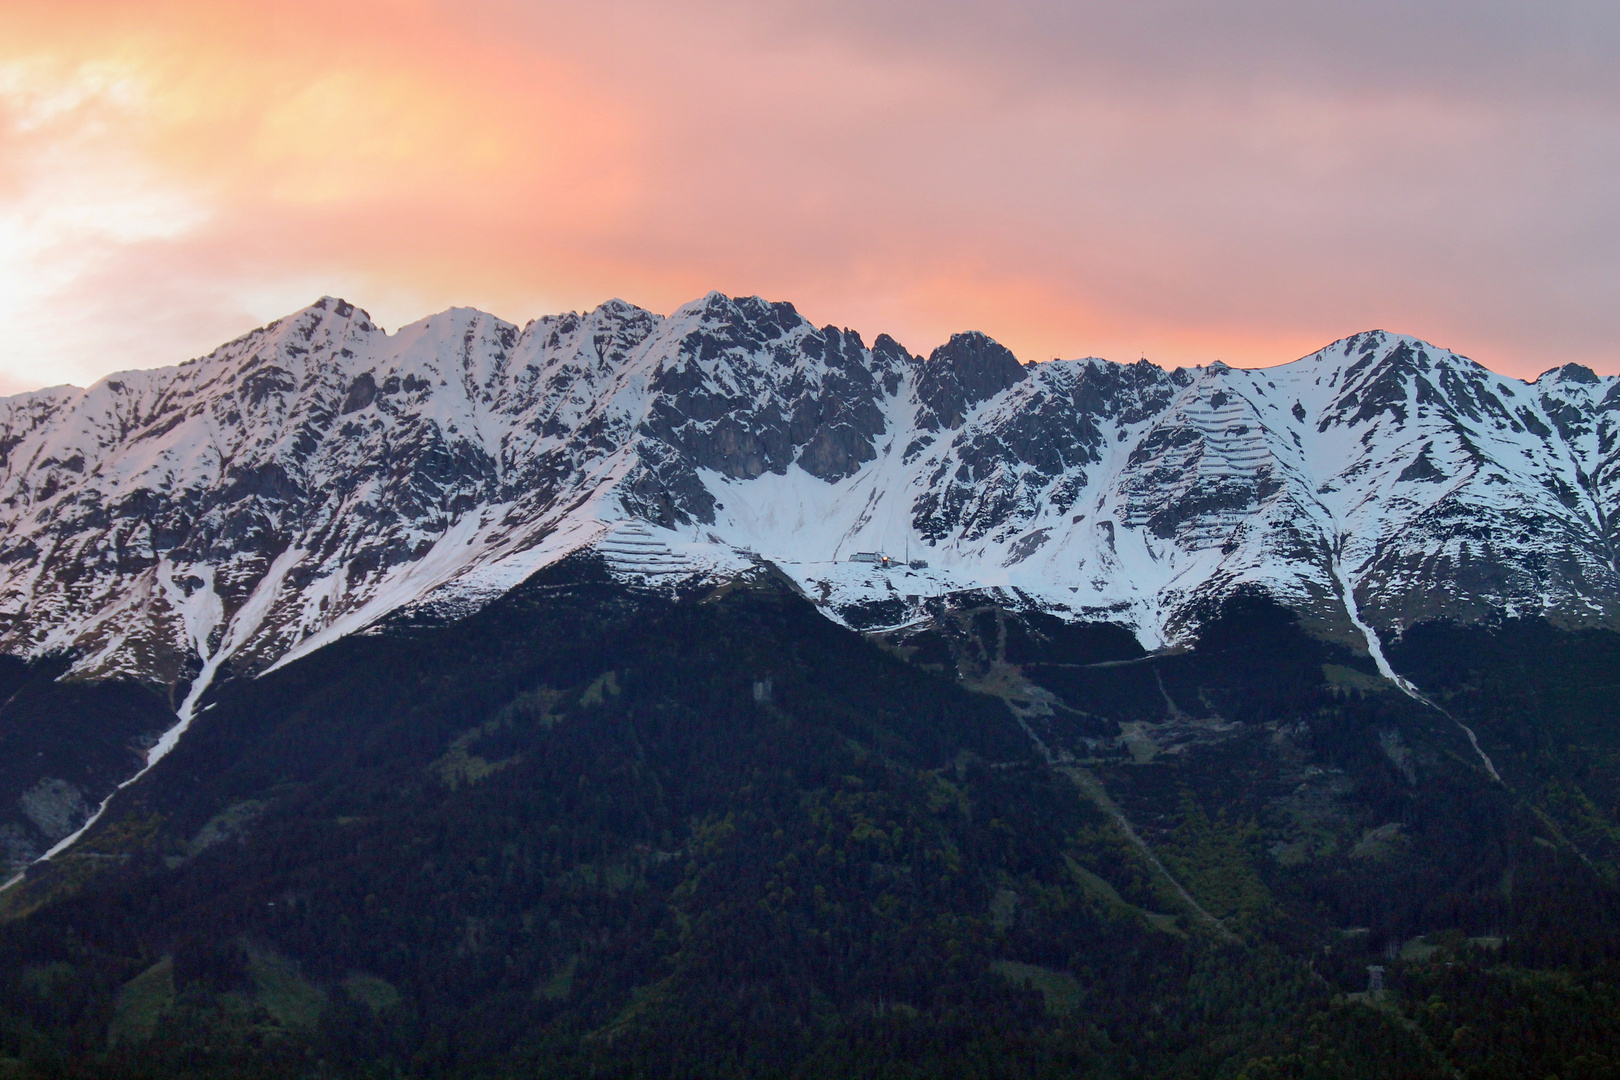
(1073, 179)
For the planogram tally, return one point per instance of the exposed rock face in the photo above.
(959, 374)
(306, 479)
(54, 806)
(756, 388)
(1034, 446)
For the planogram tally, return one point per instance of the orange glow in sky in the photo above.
(1073, 178)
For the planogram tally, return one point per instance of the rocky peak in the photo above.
(967, 369)
(749, 387)
(326, 325)
(1570, 373)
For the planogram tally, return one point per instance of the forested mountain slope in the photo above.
(593, 830)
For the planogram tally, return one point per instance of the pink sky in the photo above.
(1188, 181)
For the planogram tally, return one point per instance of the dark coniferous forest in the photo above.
(595, 831)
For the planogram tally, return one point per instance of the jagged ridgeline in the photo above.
(302, 481)
(494, 701)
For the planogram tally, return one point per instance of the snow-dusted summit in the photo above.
(302, 482)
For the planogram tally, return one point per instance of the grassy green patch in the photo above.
(1348, 678)
(1061, 991)
(560, 985)
(47, 979)
(459, 767)
(1116, 905)
(141, 1002)
(605, 686)
(1384, 842)
(378, 995)
(284, 992)
(228, 823)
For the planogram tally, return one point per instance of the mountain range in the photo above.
(1285, 594)
(307, 479)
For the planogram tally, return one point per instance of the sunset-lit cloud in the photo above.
(1188, 181)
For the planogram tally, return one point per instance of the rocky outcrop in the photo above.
(964, 371)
